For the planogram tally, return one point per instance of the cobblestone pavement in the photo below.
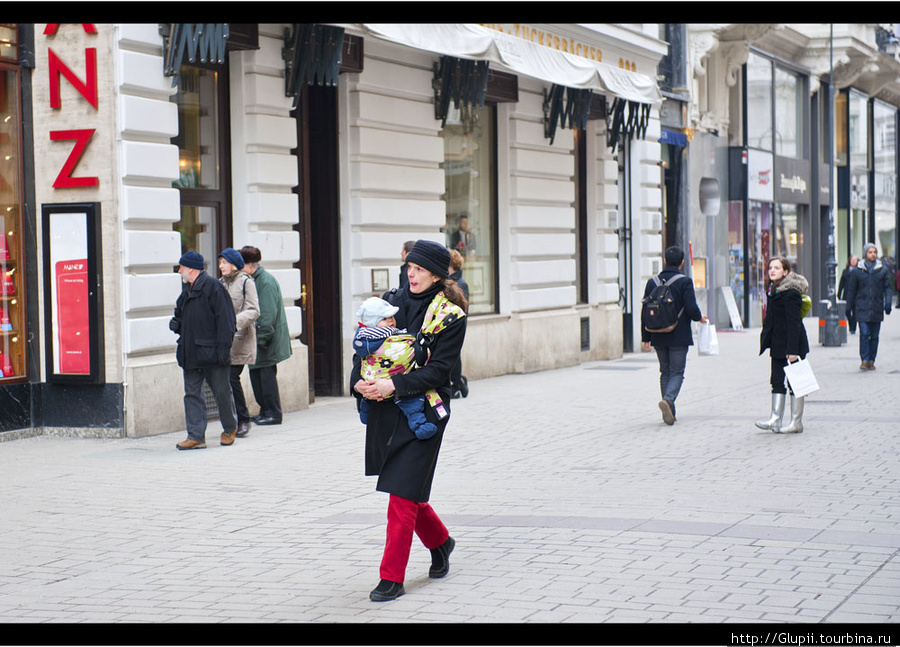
(569, 498)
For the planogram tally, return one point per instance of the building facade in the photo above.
(795, 127)
(532, 149)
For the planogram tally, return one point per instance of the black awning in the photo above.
(312, 55)
(192, 43)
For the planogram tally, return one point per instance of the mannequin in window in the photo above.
(463, 240)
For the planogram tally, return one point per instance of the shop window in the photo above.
(859, 131)
(203, 158)
(789, 122)
(884, 152)
(12, 275)
(787, 240)
(736, 277)
(9, 43)
(470, 175)
(759, 102)
(840, 130)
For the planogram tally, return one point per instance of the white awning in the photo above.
(474, 42)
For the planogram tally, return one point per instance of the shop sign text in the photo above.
(86, 86)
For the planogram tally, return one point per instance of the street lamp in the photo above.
(829, 329)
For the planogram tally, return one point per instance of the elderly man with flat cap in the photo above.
(205, 322)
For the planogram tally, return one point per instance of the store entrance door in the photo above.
(319, 229)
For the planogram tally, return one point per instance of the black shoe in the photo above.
(386, 590)
(440, 559)
(268, 421)
(464, 386)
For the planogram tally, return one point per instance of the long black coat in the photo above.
(783, 332)
(207, 324)
(869, 292)
(404, 464)
(685, 297)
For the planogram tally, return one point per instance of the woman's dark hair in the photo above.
(454, 293)
(251, 254)
(785, 264)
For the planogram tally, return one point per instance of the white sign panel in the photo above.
(760, 176)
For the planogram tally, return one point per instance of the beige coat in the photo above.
(242, 290)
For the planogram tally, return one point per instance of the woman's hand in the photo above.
(384, 388)
(792, 358)
(368, 390)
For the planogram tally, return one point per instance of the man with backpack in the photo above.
(668, 307)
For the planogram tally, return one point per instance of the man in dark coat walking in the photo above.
(843, 284)
(205, 322)
(672, 347)
(869, 298)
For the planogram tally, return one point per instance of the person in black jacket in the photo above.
(405, 465)
(869, 297)
(784, 334)
(459, 381)
(205, 323)
(406, 249)
(672, 347)
(843, 284)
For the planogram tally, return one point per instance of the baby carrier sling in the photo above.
(402, 353)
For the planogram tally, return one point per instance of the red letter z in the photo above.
(82, 137)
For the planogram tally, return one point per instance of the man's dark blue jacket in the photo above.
(683, 293)
(869, 292)
(207, 323)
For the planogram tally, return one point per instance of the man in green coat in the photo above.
(273, 341)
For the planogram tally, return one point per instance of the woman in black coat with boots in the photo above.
(784, 334)
(404, 464)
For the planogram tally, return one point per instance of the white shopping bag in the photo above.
(801, 377)
(707, 340)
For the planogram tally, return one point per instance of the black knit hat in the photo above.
(433, 256)
(192, 260)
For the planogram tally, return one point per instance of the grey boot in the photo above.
(774, 421)
(796, 424)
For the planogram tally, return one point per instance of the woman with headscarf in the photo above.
(404, 464)
(242, 290)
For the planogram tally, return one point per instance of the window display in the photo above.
(469, 145)
(12, 310)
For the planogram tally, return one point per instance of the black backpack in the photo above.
(658, 313)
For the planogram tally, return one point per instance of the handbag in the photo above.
(801, 378)
(707, 340)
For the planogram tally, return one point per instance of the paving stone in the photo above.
(571, 502)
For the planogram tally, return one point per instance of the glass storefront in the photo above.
(777, 218)
(788, 114)
(12, 275)
(736, 278)
(759, 102)
(790, 235)
(202, 161)
(884, 189)
(471, 227)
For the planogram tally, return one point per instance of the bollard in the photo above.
(830, 325)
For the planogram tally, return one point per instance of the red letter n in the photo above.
(87, 89)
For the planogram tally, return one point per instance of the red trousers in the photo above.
(405, 517)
